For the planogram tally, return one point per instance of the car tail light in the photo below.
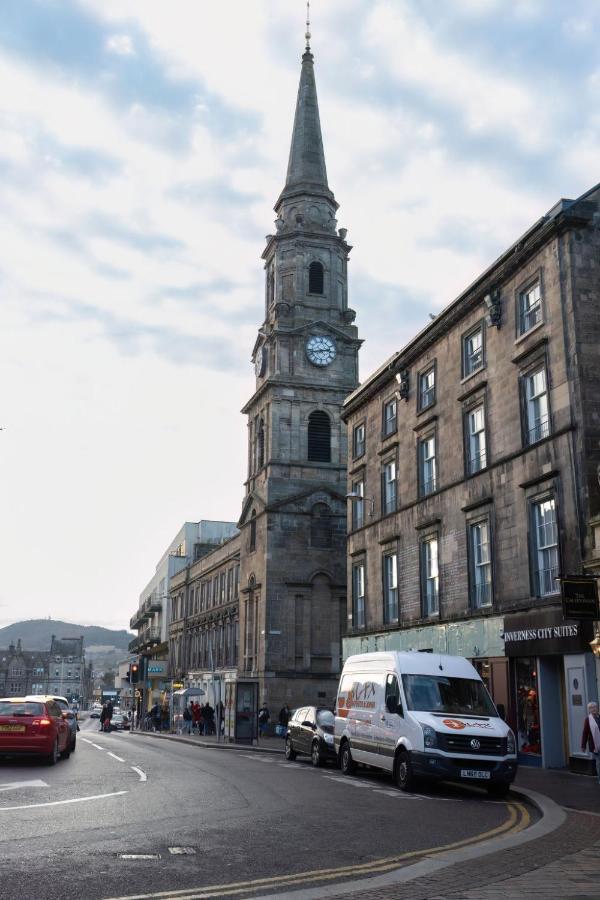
(43, 722)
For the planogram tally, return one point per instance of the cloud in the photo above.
(121, 44)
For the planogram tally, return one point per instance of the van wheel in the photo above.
(290, 753)
(405, 779)
(347, 764)
(66, 752)
(315, 755)
(52, 758)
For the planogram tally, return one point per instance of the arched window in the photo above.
(260, 445)
(319, 437)
(315, 278)
(320, 526)
(253, 530)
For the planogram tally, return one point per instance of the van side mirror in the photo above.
(501, 711)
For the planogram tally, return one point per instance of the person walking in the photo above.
(590, 739)
(284, 718)
(264, 717)
(187, 720)
(108, 716)
(196, 716)
(103, 715)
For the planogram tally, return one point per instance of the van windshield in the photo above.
(440, 693)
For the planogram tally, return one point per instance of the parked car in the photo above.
(33, 727)
(310, 731)
(422, 715)
(67, 713)
(119, 722)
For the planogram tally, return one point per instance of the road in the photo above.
(131, 815)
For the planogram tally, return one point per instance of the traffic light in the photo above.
(134, 673)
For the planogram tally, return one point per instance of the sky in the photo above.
(142, 147)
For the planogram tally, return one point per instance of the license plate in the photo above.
(13, 728)
(474, 773)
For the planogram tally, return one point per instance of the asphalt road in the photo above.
(210, 817)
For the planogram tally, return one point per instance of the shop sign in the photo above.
(543, 633)
(580, 597)
(156, 668)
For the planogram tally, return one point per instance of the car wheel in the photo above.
(315, 755)
(405, 779)
(290, 753)
(347, 764)
(52, 759)
(66, 752)
(73, 745)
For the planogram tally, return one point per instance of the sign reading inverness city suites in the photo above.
(544, 632)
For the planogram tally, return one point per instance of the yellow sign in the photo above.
(177, 685)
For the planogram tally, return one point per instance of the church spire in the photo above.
(306, 166)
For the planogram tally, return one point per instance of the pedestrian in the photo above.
(590, 739)
(187, 720)
(103, 715)
(264, 717)
(208, 714)
(284, 718)
(196, 716)
(155, 717)
(108, 716)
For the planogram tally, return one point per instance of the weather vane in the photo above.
(307, 35)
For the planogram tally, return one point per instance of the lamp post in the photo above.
(355, 497)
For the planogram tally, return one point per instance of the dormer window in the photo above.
(315, 278)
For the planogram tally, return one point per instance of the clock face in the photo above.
(320, 350)
(260, 361)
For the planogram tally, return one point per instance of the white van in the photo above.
(422, 715)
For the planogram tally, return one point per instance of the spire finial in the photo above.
(307, 35)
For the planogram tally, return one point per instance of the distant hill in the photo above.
(36, 634)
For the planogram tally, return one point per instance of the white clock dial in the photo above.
(260, 361)
(320, 350)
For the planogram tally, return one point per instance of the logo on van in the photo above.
(475, 744)
(454, 723)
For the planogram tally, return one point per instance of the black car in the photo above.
(310, 731)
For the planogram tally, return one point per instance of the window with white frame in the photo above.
(480, 563)
(473, 351)
(537, 410)
(358, 595)
(390, 588)
(427, 388)
(358, 440)
(475, 437)
(430, 576)
(358, 504)
(390, 417)
(427, 465)
(530, 308)
(544, 548)
(389, 483)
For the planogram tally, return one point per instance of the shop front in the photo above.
(552, 678)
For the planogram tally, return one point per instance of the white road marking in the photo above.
(114, 756)
(87, 740)
(97, 746)
(143, 776)
(179, 851)
(139, 855)
(13, 785)
(62, 802)
(396, 794)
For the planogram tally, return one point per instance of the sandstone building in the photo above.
(473, 475)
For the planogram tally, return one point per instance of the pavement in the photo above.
(564, 863)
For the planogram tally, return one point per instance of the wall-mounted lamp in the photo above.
(595, 645)
(355, 497)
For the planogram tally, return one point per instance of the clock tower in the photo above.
(293, 521)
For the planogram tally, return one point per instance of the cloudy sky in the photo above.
(142, 146)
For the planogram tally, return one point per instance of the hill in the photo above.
(36, 634)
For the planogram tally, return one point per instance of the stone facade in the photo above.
(23, 671)
(288, 613)
(479, 464)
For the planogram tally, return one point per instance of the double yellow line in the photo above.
(518, 819)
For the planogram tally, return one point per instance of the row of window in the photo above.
(536, 426)
(210, 592)
(214, 647)
(544, 564)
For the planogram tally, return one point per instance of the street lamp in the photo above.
(595, 644)
(355, 497)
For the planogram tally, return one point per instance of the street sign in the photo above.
(580, 597)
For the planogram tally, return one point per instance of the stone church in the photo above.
(270, 604)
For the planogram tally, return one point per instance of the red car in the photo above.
(33, 727)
